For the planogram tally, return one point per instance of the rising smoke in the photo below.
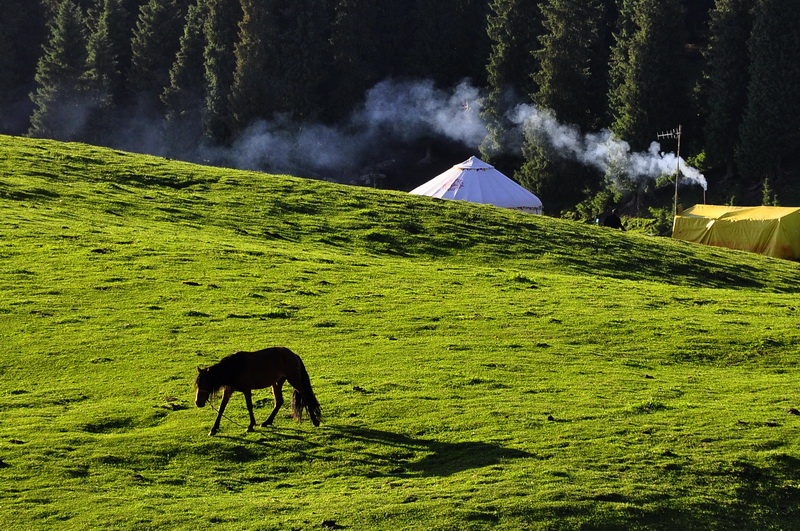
(393, 113)
(408, 111)
(603, 150)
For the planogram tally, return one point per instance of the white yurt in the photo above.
(477, 182)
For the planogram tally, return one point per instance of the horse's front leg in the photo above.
(277, 393)
(248, 398)
(226, 395)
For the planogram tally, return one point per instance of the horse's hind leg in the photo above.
(277, 393)
(226, 395)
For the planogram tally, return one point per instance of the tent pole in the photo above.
(675, 133)
(677, 169)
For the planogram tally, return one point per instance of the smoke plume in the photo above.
(393, 113)
(408, 111)
(603, 150)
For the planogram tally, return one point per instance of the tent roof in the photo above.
(478, 182)
(773, 231)
(739, 213)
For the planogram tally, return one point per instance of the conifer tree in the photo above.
(649, 89)
(183, 98)
(513, 27)
(726, 78)
(769, 131)
(103, 77)
(281, 60)
(154, 45)
(571, 84)
(61, 98)
(541, 163)
(572, 76)
(625, 28)
(370, 43)
(252, 80)
(221, 34)
(436, 22)
(119, 21)
(22, 32)
(304, 56)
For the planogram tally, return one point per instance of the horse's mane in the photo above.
(220, 374)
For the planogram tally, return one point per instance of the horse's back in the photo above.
(272, 355)
(263, 368)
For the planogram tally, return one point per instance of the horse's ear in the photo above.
(199, 369)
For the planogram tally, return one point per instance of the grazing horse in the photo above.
(245, 371)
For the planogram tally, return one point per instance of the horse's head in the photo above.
(203, 387)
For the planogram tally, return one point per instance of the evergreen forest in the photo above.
(583, 102)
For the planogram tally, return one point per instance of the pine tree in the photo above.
(572, 76)
(22, 32)
(726, 78)
(440, 49)
(255, 58)
(8, 75)
(513, 28)
(103, 76)
(769, 131)
(154, 45)
(649, 90)
(221, 33)
(571, 84)
(281, 60)
(370, 42)
(768, 196)
(121, 21)
(625, 28)
(61, 98)
(539, 168)
(183, 98)
(304, 56)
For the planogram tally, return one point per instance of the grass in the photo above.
(476, 367)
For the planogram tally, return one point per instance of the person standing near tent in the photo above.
(613, 220)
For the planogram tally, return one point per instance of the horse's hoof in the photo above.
(265, 424)
(212, 432)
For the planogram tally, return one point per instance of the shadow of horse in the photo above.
(440, 459)
(379, 453)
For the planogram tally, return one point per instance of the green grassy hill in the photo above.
(476, 367)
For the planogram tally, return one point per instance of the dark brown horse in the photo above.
(245, 371)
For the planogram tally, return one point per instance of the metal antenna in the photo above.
(675, 133)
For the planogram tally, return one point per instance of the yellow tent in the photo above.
(773, 231)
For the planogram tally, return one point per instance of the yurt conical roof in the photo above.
(478, 182)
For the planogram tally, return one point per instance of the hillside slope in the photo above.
(114, 188)
(477, 368)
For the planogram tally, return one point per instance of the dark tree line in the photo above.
(205, 70)
(724, 70)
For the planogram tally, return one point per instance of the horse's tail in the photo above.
(305, 399)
